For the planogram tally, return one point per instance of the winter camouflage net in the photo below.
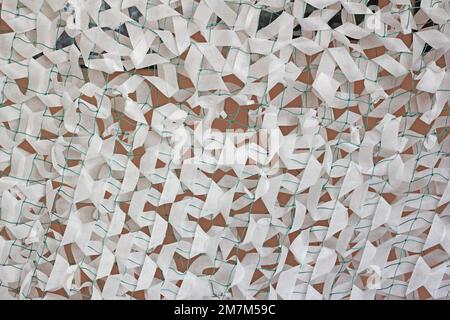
(215, 149)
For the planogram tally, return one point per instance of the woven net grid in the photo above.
(219, 149)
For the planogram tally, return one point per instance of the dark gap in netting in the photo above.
(92, 23)
(81, 63)
(64, 40)
(94, 55)
(104, 6)
(134, 13)
(122, 29)
(359, 18)
(335, 21)
(266, 18)
(427, 48)
(416, 6)
(308, 10)
(37, 56)
(352, 40)
(372, 3)
(297, 31)
(428, 24)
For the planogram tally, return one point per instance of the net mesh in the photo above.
(97, 97)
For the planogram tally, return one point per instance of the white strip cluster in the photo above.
(215, 149)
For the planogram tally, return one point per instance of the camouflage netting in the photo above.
(134, 161)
